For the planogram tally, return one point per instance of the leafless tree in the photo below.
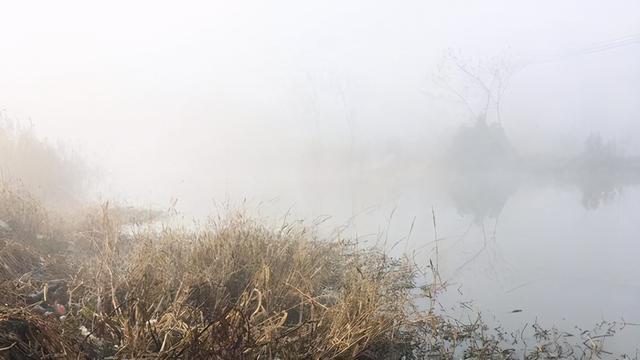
(478, 85)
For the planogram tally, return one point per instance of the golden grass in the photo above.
(235, 289)
(242, 290)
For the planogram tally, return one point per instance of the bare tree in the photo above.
(478, 85)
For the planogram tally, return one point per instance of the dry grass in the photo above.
(242, 290)
(233, 290)
(24, 335)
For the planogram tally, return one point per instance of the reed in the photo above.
(233, 289)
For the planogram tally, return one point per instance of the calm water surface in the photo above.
(564, 252)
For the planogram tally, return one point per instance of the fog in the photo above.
(352, 110)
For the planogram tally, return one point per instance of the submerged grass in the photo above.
(89, 287)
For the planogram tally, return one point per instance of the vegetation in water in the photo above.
(106, 282)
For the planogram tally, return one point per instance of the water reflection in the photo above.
(598, 191)
(482, 195)
(484, 170)
(601, 172)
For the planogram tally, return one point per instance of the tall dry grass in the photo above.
(240, 290)
(234, 289)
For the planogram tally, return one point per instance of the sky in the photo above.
(161, 92)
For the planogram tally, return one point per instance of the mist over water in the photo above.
(516, 124)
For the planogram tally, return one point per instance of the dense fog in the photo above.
(515, 124)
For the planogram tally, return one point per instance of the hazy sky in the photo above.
(158, 88)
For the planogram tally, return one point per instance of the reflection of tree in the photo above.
(482, 195)
(598, 190)
(482, 164)
(601, 171)
(483, 176)
(490, 247)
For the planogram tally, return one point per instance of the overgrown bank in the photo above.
(99, 283)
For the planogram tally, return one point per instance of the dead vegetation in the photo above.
(54, 174)
(91, 287)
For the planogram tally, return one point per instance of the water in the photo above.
(563, 249)
(563, 252)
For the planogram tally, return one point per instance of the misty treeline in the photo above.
(51, 172)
